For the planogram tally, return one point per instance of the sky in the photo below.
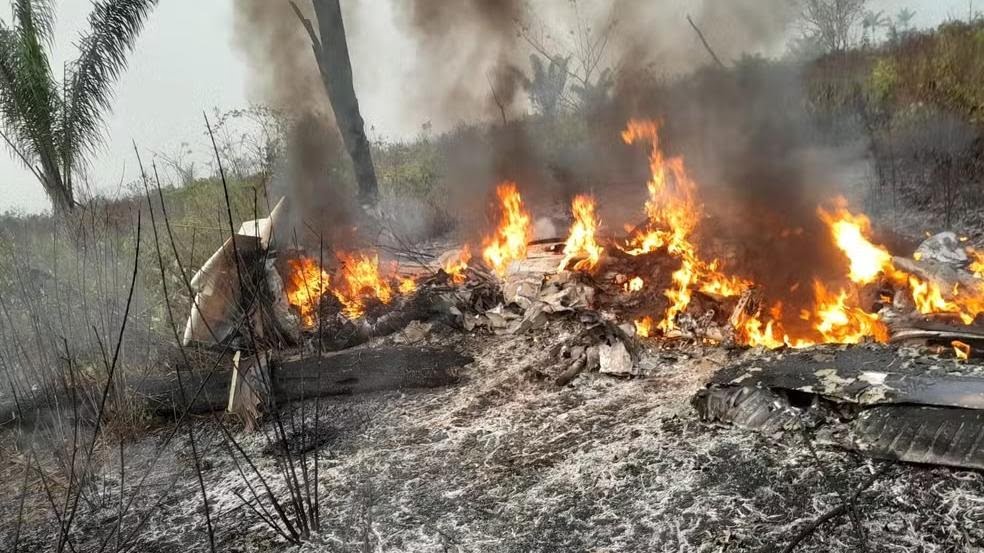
(185, 63)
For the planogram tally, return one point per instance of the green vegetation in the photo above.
(52, 126)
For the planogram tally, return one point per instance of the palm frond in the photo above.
(37, 17)
(114, 26)
(29, 101)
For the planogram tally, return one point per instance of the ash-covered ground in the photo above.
(506, 461)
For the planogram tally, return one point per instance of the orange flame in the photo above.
(581, 240)
(753, 333)
(455, 267)
(976, 263)
(360, 281)
(961, 350)
(515, 231)
(868, 260)
(407, 285)
(673, 213)
(850, 233)
(305, 286)
(644, 327)
(840, 322)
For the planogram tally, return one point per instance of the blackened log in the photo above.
(342, 373)
(301, 377)
(363, 371)
(422, 306)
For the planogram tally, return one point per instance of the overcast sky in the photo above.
(185, 62)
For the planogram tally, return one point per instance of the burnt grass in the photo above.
(507, 461)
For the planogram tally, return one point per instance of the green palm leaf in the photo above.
(29, 100)
(50, 127)
(114, 26)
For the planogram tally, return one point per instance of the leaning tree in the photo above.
(53, 126)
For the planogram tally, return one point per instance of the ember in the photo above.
(509, 241)
(961, 350)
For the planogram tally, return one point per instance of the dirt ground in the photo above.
(506, 461)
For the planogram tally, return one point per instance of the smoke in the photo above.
(279, 58)
(285, 76)
(467, 53)
(658, 39)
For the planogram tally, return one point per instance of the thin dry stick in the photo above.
(703, 41)
(177, 340)
(837, 511)
(20, 503)
(109, 381)
(177, 258)
(229, 439)
(495, 98)
(852, 506)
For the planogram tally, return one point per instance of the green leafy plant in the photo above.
(50, 126)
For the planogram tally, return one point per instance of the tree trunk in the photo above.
(332, 54)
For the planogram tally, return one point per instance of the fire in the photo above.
(867, 261)
(976, 263)
(515, 231)
(456, 267)
(720, 284)
(679, 295)
(840, 322)
(407, 285)
(644, 327)
(930, 298)
(635, 284)
(753, 333)
(671, 208)
(673, 213)
(581, 240)
(961, 350)
(305, 286)
(358, 280)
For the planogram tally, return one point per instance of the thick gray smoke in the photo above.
(466, 48)
(284, 74)
(657, 36)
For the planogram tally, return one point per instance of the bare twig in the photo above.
(177, 339)
(495, 98)
(703, 41)
(837, 511)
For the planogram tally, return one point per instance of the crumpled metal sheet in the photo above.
(868, 400)
(862, 375)
(919, 434)
(748, 407)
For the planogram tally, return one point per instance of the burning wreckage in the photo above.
(879, 360)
